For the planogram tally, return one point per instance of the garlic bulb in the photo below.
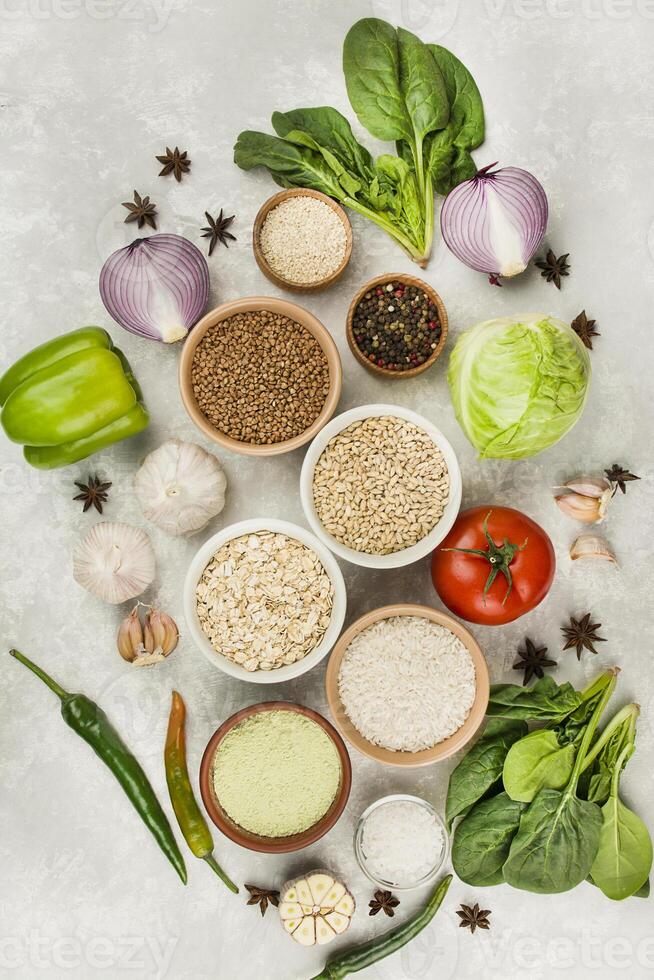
(150, 643)
(315, 909)
(180, 487)
(114, 561)
(590, 545)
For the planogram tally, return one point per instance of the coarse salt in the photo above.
(402, 842)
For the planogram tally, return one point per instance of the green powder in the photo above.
(276, 773)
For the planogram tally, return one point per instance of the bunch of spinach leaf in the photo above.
(540, 810)
(419, 96)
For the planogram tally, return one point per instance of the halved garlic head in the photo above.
(315, 909)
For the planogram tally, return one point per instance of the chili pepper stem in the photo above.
(59, 691)
(213, 864)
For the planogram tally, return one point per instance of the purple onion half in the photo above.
(156, 287)
(495, 221)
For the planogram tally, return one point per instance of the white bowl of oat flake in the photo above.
(380, 486)
(264, 600)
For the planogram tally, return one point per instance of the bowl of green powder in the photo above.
(275, 777)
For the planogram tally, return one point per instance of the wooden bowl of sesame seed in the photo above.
(386, 284)
(302, 249)
(251, 377)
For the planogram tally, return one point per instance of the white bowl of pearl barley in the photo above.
(380, 486)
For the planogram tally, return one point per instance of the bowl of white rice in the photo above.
(407, 685)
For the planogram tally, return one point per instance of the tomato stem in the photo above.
(498, 556)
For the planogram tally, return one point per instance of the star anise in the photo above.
(473, 918)
(552, 268)
(383, 902)
(585, 329)
(217, 230)
(619, 477)
(532, 661)
(175, 163)
(261, 897)
(143, 211)
(581, 633)
(93, 493)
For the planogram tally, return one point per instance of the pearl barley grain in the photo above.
(380, 485)
(303, 240)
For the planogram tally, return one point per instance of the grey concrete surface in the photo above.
(89, 93)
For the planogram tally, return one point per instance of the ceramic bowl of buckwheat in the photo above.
(264, 600)
(380, 486)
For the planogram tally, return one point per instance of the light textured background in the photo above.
(90, 91)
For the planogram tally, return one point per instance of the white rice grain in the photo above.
(407, 683)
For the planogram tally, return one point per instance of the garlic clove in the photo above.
(586, 510)
(590, 545)
(130, 636)
(114, 561)
(589, 486)
(160, 633)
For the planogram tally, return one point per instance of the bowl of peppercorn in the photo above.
(397, 326)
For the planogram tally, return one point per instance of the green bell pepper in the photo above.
(69, 398)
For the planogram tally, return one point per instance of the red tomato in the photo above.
(511, 552)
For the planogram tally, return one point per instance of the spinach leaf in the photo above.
(481, 768)
(482, 840)
(424, 92)
(331, 130)
(612, 750)
(398, 183)
(290, 165)
(556, 843)
(537, 761)
(544, 701)
(398, 93)
(448, 152)
(624, 857)
(371, 65)
(643, 891)
(350, 183)
(559, 834)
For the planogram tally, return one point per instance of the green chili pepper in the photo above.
(90, 722)
(189, 816)
(360, 957)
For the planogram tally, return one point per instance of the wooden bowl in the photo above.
(273, 845)
(262, 214)
(437, 752)
(284, 308)
(442, 318)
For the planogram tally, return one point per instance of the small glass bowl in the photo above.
(405, 884)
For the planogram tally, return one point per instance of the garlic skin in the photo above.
(585, 498)
(180, 487)
(114, 561)
(149, 644)
(590, 545)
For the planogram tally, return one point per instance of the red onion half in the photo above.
(495, 221)
(156, 287)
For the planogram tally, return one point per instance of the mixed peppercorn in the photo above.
(396, 326)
